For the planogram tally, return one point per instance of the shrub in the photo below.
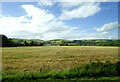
(94, 69)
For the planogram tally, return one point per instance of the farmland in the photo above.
(54, 58)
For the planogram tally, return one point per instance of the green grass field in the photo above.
(53, 58)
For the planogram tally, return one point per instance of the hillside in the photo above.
(58, 42)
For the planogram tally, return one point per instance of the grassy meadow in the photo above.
(49, 59)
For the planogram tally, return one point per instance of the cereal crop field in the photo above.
(54, 57)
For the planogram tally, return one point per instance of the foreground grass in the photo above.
(92, 71)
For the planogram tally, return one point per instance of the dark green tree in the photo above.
(41, 44)
(31, 43)
(5, 42)
(26, 44)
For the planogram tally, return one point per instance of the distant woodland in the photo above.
(14, 42)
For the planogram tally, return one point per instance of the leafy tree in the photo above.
(41, 44)
(26, 44)
(31, 43)
(5, 42)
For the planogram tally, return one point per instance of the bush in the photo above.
(97, 69)
(92, 70)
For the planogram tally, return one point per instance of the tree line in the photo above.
(12, 42)
(7, 42)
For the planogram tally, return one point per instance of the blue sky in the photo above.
(60, 20)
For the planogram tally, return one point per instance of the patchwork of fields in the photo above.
(54, 57)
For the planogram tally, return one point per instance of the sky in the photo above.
(59, 20)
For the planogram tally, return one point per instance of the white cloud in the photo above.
(104, 32)
(89, 0)
(83, 11)
(109, 26)
(103, 35)
(38, 15)
(46, 2)
(83, 31)
(38, 24)
(70, 4)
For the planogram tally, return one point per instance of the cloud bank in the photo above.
(109, 26)
(82, 11)
(38, 24)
